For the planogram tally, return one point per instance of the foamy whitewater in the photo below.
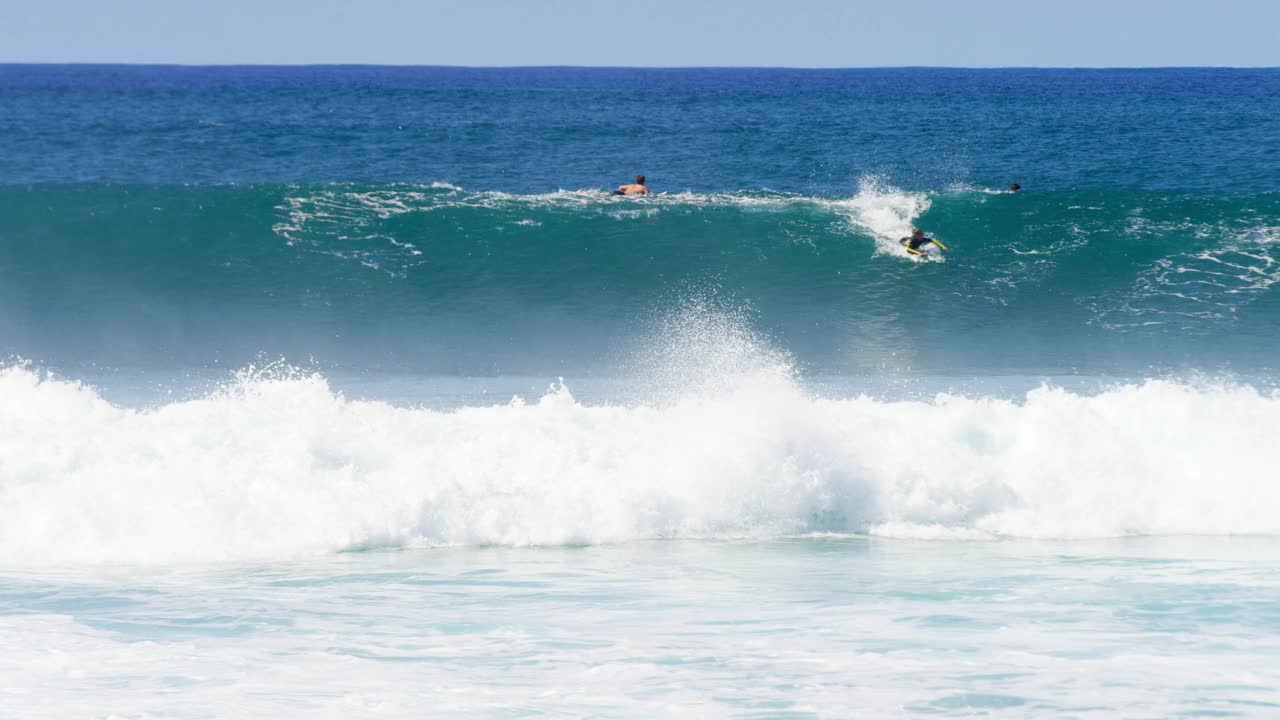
(280, 468)
(354, 393)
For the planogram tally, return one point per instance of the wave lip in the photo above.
(884, 211)
(274, 467)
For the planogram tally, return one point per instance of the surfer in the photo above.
(917, 239)
(1015, 187)
(635, 188)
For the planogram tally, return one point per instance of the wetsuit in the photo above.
(913, 244)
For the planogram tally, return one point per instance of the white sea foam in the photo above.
(884, 211)
(282, 466)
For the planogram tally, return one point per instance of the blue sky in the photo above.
(798, 33)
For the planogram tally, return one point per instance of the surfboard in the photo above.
(919, 253)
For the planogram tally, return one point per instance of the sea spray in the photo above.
(278, 467)
(885, 212)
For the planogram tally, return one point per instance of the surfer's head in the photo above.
(639, 179)
(917, 232)
(1015, 187)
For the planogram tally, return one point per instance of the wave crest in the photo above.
(273, 467)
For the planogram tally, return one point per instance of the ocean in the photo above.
(353, 392)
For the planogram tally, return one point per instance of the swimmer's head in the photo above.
(1015, 187)
(916, 232)
(639, 179)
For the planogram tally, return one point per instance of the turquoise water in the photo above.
(397, 278)
(800, 628)
(351, 392)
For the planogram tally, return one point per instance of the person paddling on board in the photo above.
(635, 188)
(917, 239)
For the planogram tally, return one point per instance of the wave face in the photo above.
(274, 467)
(439, 279)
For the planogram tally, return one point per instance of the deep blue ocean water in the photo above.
(532, 130)
(352, 392)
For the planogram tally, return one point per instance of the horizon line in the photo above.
(11, 63)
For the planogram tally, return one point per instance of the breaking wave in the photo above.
(730, 445)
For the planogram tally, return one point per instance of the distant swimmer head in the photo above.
(1015, 187)
(917, 233)
(639, 179)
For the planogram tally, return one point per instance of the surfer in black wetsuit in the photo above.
(917, 239)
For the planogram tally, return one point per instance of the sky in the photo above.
(663, 33)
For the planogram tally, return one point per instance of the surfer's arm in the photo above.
(944, 247)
